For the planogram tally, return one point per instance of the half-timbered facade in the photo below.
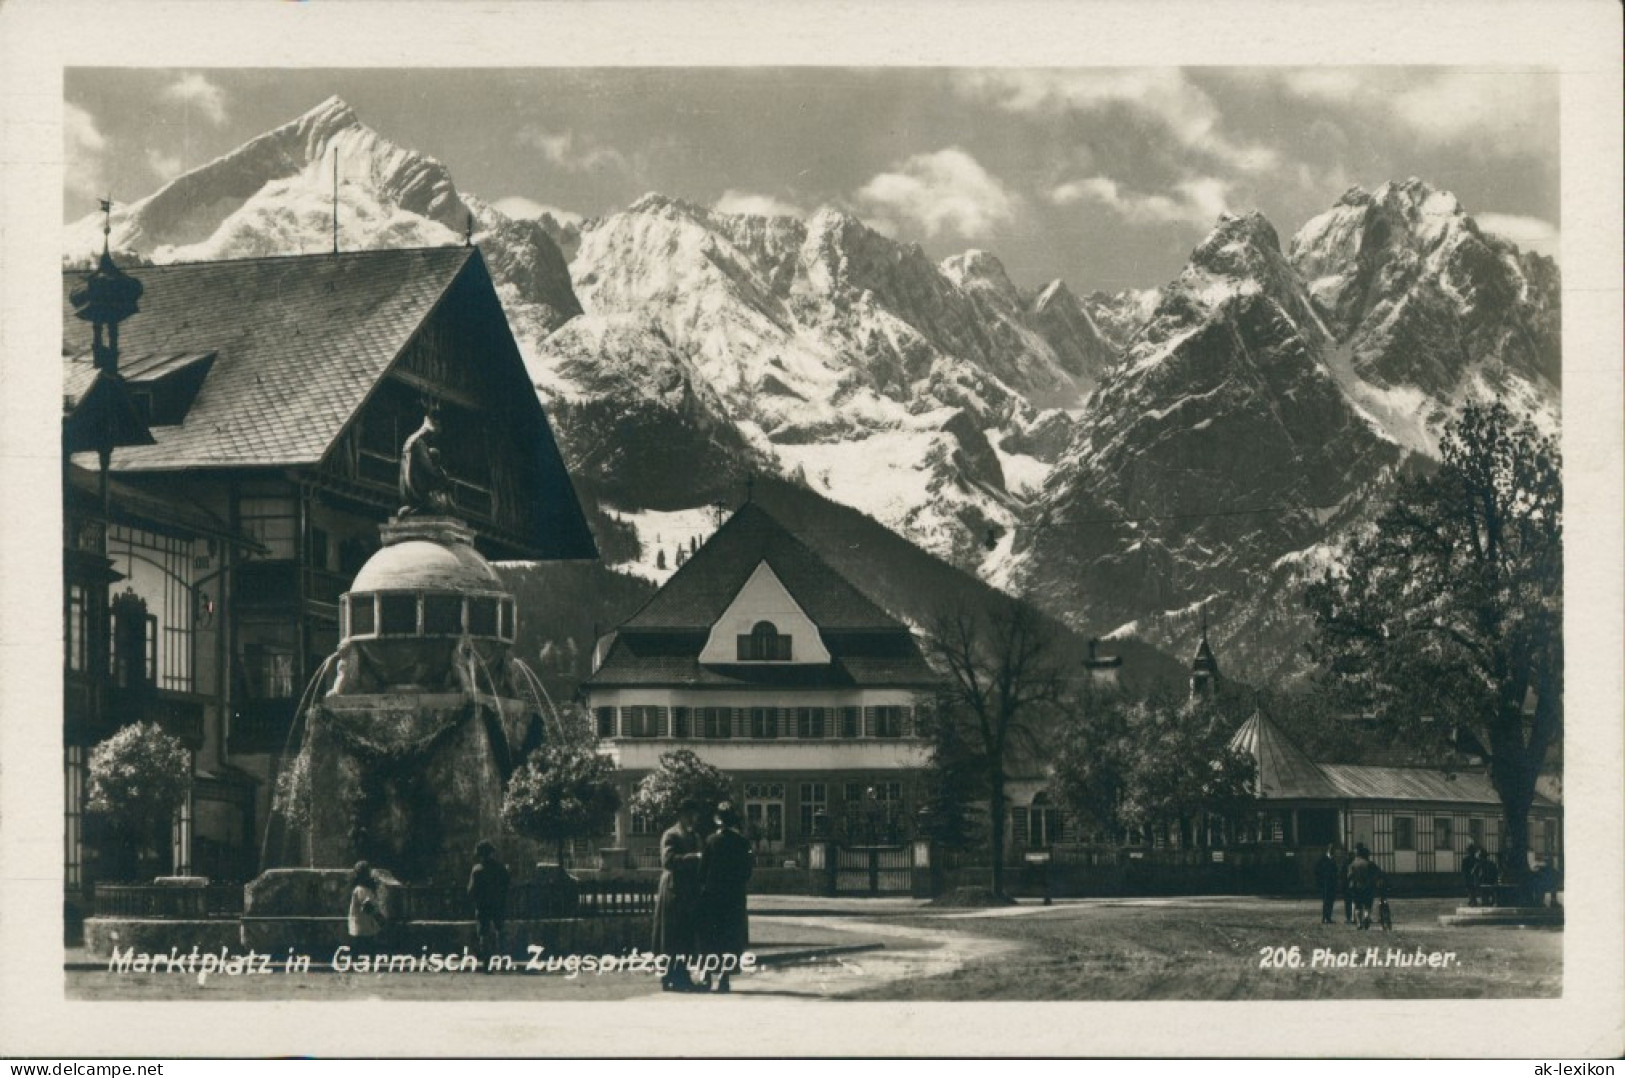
(766, 663)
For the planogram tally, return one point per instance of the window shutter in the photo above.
(1018, 826)
(740, 719)
(869, 721)
(662, 721)
(906, 722)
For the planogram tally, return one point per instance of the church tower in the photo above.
(1204, 667)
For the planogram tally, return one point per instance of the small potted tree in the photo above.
(564, 791)
(139, 777)
(680, 776)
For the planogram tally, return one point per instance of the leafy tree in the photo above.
(680, 776)
(949, 814)
(1153, 765)
(1003, 677)
(1451, 609)
(1180, 768)
(1088, 774)
(565, 791)
(139, 778)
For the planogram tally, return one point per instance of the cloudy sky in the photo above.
(1106, 177)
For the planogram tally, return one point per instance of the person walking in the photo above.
(725, 871)
(1326, 872)
(1469, 873)
(1485, 876)
(488, 883)
(1363, 877)
(677, 901)
(367, 920)
(1343, 885)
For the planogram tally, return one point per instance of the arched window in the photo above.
(764, 643)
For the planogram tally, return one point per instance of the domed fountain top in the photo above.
(428, 581)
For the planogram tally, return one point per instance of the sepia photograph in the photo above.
(630, 533)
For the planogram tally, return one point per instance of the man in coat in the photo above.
(677, 902)
(1326, 872)
(488, 883)
(1469, 873)
(725, 870)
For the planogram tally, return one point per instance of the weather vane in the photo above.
(107, 221)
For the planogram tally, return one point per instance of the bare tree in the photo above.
(1003, 677)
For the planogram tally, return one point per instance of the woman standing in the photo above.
(677, 902)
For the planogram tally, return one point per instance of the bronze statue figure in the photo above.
(425, 486)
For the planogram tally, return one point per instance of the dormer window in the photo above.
(764, 643)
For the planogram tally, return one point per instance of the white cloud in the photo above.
(1478, 105)
(1186, 110)
(162, 165)
(1529, 233)
(196, 91)
(521, 209)
(564, 150)
(83, 147)
(1498, 111)
(755, 205)
(1196, 201)
(942, 192)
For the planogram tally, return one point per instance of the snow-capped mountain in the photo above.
(845, 358)
(1264, 406)
(274, 195)
(1427, 309)
(1120, 458)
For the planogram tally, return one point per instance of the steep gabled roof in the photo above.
(299, 341)
(698, 593)
(1283, 770)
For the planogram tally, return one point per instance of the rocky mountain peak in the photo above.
(1244, 245)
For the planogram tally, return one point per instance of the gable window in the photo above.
(764, 643)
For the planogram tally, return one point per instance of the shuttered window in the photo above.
(888, 721)
(606, 721)
(809, 722)
(643, 721)
(716, 723)
(851, 721)
(764, 722)
(682, 724)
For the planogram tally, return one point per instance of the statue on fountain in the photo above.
(425, 486)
